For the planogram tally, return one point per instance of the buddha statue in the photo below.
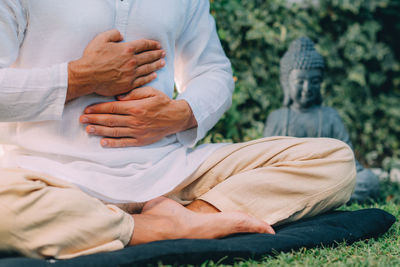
(303, 115)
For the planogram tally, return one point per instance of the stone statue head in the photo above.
(301, 74)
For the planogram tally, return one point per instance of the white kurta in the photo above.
(37, 40)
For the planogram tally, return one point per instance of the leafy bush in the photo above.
(359, 40)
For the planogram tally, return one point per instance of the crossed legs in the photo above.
(276, 179)
(45, 217)
(254, 185)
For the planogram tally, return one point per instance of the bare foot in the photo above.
(163, 219)
(201, 206)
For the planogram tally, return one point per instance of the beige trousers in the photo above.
(41, 216)
(276, 179)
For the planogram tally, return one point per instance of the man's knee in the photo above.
(342, 153)
(341, 169)
(40, 219)
(335, 151)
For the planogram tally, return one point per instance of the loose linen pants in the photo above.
(277, 179)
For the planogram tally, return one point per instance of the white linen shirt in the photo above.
(39, 132)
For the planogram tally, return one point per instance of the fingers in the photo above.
(149, 68)
(148, 63)
(243, 223)
(105, 120)
(258, 226)
(118, 143)
(116, 137)
(140, 93)
(147, 73)
(127, 142)
(253, 225)
(141, 81)
(115, 107)
(109, 131)
(144, 45)
(110, 36)
(149, 57)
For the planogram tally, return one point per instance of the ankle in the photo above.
(150, 228)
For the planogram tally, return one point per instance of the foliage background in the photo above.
(361, 45)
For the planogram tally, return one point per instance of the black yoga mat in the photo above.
(327, 229)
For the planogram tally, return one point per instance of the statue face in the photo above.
(304, 87)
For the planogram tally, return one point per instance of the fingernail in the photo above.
(91, 129)
(88, 110)
(163, 54)
(84, 120)
(159, 46)
(104, 142)
(162, 63)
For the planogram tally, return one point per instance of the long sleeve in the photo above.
(26, 94)
(203, 74)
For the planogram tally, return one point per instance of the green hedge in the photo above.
(360, 42)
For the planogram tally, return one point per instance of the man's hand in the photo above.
(142, 117)
(111, 68)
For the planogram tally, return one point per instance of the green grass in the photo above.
(383, 251)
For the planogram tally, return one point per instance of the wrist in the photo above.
(78, 82)
(189, 120)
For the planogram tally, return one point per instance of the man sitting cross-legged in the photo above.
(99, 156)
